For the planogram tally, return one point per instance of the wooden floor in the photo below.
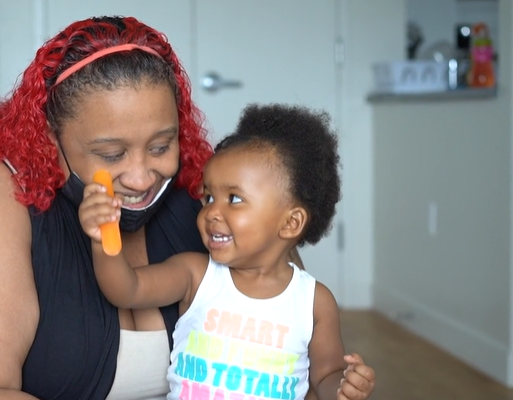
(409, 368)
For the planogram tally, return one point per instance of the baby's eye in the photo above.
(208, 198)
(235, 199)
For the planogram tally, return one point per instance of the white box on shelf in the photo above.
(416, 76)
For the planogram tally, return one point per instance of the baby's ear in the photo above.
(295, 224)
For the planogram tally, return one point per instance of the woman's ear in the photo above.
(51, 134)
(295, 223)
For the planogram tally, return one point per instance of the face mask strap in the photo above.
(64, 155)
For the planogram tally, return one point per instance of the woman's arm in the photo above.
(19, 307)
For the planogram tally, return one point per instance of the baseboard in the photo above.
(464, 342)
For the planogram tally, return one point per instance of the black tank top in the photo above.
(74, 353)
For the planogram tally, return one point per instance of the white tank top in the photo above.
(228, 343)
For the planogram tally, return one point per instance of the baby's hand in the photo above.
(358, 382)
(96, 209)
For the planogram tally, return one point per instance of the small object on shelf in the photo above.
(481, 73)
(414, 38)
(413, 76)
(462, 57)
(453, 73)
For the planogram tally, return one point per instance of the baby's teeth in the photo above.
(219, 238)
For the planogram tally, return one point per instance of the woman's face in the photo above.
(131, 132)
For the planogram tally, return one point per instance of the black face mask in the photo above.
(131, 220)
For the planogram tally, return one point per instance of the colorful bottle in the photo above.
(481, 73)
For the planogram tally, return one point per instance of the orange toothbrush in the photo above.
(111, 237)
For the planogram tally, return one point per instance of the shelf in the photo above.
(458, 94)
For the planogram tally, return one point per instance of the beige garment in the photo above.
(143, 359)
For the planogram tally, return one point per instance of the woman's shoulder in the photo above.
(10, 208)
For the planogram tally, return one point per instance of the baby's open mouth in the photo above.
(221, 238)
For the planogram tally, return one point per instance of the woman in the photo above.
(104, 93)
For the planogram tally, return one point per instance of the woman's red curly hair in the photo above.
(24, 139)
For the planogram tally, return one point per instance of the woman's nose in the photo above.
(138, 174)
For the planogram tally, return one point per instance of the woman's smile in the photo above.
(140, 200)
(137, 201)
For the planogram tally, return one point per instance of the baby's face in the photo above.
(247, 204)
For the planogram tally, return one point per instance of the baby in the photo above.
(252, 324)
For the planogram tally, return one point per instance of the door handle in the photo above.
(212, 82)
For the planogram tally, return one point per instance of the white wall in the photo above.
(506, 65)
(453, 285)
(16, 50)
(373, 31)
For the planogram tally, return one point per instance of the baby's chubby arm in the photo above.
(148, 286)
(334, 374)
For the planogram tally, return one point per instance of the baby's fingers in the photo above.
(93, 188)
(353, 358)
(93, 217)
(346, 391)
(358, 382)
(357, 364)
(96, 209)
(96, 194)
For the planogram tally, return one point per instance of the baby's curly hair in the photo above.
(306, 145)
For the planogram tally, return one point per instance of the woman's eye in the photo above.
(159, 149)
(112, 158)
(235, 199)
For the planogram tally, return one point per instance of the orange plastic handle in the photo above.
(111, 237)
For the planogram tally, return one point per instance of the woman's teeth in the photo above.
(221, 238)
(133, 200)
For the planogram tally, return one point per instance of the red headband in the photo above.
(101, 53)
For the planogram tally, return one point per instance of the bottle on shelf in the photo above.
(481, 73)
(461, 63)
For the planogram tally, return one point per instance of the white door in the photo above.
(278, 50)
